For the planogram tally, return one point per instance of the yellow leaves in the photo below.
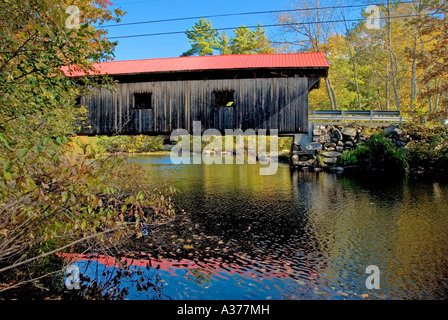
(64, 196)
(7, 176)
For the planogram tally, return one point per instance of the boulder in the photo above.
(337, 134)
(316, 132)
(330, 154)
(312, 146)
(348, 144)
(330, 161)
(339, 149)
(295, 147)
(393, 131)
(310, 162)
(349, 132)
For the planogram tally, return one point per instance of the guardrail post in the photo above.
(342, 115)
(371, 116)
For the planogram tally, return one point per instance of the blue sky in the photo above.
(174, 45)
(165, 46)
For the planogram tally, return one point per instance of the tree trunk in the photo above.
(352, 58)
(391, 58)
(414, 74)
(355, 73)
(330, 96)
(335, 101)
(436, 102)
(428, 87)
(387, 88)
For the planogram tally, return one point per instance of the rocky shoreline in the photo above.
(331, 141)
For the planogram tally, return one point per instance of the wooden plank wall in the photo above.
(266, 103)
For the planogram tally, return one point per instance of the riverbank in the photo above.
(416, 149)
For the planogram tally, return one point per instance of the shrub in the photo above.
(131, 144)
(378, 152)
(432, 151)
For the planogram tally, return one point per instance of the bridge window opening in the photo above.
(224, 99)
(143, 100)
(78, 101)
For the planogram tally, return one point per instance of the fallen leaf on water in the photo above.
(342, 293)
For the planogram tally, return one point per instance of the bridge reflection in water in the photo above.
(294, 235)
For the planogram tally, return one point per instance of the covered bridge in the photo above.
(157, 96)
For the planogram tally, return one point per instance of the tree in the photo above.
(433, 58)
(310, 28)
(242, 42)
(49, 202)
(260, 41)
(384, 67)
(203, 38)
(247, 41)
(225, 44)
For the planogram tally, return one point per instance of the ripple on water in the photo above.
(305, 235)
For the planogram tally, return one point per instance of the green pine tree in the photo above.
(242, 42)
(225, 43)
(247, 41)
(260, 41)
(203, 38)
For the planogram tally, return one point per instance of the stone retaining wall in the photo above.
(329, 142)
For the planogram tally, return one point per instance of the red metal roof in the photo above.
(203, 63)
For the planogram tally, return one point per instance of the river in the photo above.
(299, 235)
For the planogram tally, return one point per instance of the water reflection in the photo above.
(298, 235)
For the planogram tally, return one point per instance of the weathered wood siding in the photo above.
(267, 103)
